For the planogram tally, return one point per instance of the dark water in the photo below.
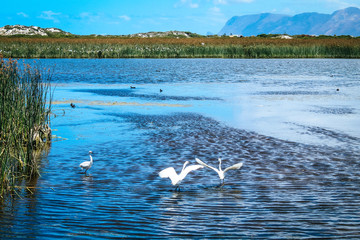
(297, 136)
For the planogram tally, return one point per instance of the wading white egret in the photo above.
(220, 172)
(87, 164)
(174, 177)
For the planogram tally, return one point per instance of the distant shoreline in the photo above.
(201, 47)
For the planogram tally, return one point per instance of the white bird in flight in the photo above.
(220, 172)
(87, 164)
(174, 177)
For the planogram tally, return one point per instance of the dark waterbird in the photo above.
(72, 105)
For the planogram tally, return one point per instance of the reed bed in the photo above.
(179, 48)
(25, 104)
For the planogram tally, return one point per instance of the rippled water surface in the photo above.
(293, 123)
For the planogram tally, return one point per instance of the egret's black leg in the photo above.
(222, 183)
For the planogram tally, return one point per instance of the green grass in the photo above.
(179, 48)
(25, 103)
(179, 51)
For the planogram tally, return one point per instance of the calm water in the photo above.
(293, 123)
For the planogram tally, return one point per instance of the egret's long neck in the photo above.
(219, 164)
(91, 160)
(184, 165)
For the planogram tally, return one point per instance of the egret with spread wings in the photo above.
(177, 178)
(219, 171)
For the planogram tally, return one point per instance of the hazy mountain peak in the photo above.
(341, 22)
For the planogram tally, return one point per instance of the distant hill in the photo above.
(13, 30)
(170, 34)
(341, 22)
(21, 30)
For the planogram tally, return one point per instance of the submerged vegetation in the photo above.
(195, 47)
(25, 103)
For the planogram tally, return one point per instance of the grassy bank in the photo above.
(25, 102)
(218, 47)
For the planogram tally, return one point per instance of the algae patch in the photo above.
(115, 103)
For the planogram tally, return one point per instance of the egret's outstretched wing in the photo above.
(189, 169)
(236, 166)
(168, 173)
(205, 165)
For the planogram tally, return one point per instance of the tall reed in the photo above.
(179, 48)
(25, 105)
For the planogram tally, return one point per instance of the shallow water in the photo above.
(297, 136)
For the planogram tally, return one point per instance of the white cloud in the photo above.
(22, 14)
(216, 16)
(125, 17)
(187, 3)
(343, 3)
(215, 10)
(232, 1)
(50, 15)
(196, 3)
(90, 17)
(220, 1)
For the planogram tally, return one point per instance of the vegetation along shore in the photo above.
(25, 106)
(262, 46)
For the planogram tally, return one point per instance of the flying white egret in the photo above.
(87, 164)
(174, 177)
(220, 172)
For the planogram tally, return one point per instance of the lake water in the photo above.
(293, 123)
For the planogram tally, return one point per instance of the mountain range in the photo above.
(342, 22)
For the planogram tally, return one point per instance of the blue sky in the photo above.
(119, 17)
